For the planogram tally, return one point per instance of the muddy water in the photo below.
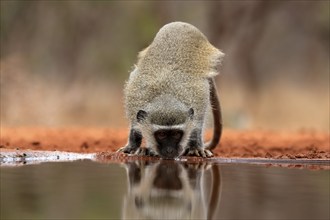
(162, 190)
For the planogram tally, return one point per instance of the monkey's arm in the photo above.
(195, 145)
(134, 142)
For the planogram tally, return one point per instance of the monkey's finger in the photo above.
(120, 150)
(197, 153)
(202, 153)
(190, 153)
(186, 152)
(152, 153)
(124, 150)
(208, 153)
(149, 152)
(139, 151)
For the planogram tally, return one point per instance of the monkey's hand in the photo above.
(199, 152)
(128, 149)
(145, 152)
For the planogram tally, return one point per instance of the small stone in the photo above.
(84, 145)
(300, 156)
(268, 155)
(290, 156)
(284, 157)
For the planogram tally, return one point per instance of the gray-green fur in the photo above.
(171, 76)
(167, 110)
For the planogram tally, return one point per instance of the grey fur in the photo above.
(171, 77)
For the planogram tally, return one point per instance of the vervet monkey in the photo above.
(169, 91)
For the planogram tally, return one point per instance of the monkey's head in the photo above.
(166, 129)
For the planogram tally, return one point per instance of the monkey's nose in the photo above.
(169, 150)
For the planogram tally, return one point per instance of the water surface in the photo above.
(162, 190)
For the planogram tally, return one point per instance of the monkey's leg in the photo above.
(134, 142)
(195, 145)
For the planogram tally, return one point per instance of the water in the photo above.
(162, 190)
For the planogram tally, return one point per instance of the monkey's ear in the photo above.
(191, 113)
(141, 115)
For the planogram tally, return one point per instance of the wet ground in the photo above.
(96, 188)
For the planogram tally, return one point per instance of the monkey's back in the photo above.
(177, 63)
(142, 89)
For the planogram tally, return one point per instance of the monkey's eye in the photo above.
(161, 135)
(176, 134)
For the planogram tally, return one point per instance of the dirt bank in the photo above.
(241, 144)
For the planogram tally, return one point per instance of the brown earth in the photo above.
(239, 144)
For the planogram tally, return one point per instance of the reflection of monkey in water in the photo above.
(171, 190)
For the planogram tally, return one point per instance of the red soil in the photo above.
(241, 144)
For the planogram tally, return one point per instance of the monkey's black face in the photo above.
(168, 142)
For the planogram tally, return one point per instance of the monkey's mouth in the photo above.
(168, 152)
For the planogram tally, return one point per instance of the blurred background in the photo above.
(64, 63)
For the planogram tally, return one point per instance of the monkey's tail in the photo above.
(217, 116)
